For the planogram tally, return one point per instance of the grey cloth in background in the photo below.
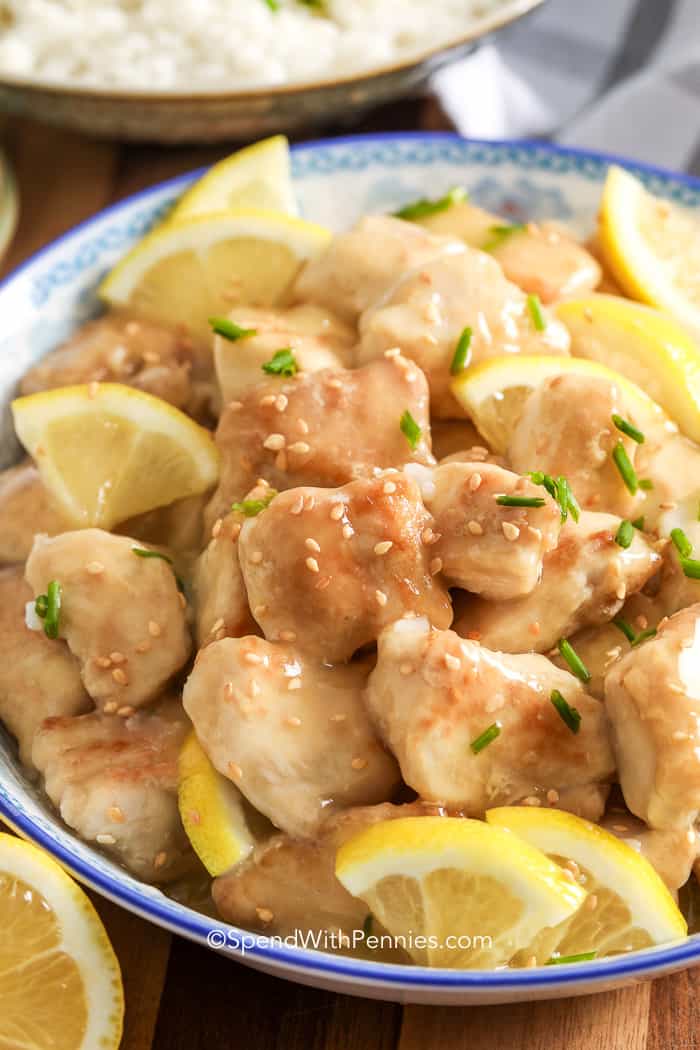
(615, 75)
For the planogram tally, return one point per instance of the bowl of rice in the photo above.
(209, 70)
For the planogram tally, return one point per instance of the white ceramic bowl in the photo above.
(337, 181)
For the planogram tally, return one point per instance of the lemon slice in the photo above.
(258, 176)
(494, 392)
(447, 880)
(60, 984)
(644, 345)
(185, 272)
(652, 247)
(107, 452)
(212, 812)
(628, 906)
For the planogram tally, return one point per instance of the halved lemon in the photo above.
(188, 271)
(107, 452)
(212, 811)
(652, 247)
(457, 892)
(60, 983)
(643, 344)
(628, 904)
(494, 392)
(258, 176)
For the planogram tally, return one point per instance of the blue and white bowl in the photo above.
(336, 181)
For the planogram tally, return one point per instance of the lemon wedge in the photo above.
(60, 983)
(493, 393)
(188, 271)
(107, 452)
(643, 344)
(475, 894)
(258, 176)
(212, 812)
(652, 247)
(628, 906)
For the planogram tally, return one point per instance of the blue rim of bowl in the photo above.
(312, 963)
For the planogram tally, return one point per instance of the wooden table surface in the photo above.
(182, 997)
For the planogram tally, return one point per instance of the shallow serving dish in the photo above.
(337, 181)
(214, 116)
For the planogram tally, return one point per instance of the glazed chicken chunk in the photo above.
(38, 677)
(122, 615)
(485, 547)
(566, 427)
(359, 266)
(293, 735)
(653, 699)
(585, 582)
(325, 428)
(433, 694)
(120, 349)
(114, 780)
(317, 339)
(329, 568)
(25, 509)
(428, 309)
(220, 597)
(671, 852)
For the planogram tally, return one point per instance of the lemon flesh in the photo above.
(643, 344)
(60, 984)
(652, 248)
(212, 811)
(632, 906)
(494, 392)
(107, 452)
(204, 265)
(477, 894)
(258, 177)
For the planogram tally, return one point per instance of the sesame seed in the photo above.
(221, 633)
(259, 610)
(573, 867)
(384, 547)
(690, 835)
(235, 406)
(301, 447)
(311, 564)
(302, 426)
(110, 707)
(642, 622)
(103, 661)
(393, 352)
(252, 658)
(428, 536)
(235, 770)
(288, 636)
(380, 598)
(298, 506)
(348, 532)
(267, 400)
(264, 914)
(125, 712)
(228, 691)
(334, 383)
(154, 629)
(120, 676)
(475, 481)
(475, 528)
(621, 592)
(95, 568)
(389, 488)
(293, 721)
(338, 718)
(532, 800)
(552, 796)
(358, 763)
(160, 859)
(117, 658)
(294, 683)
(322, 583)
(216, 528)
(309, 501)
(256, 557)
(115, 814)
(435, 566)
(510, 531)
(337, 511)
(620, 827)
(275, 442)
(670, 505)
(105, 840)
(312, 544)
(281, 402)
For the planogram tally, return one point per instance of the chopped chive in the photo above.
(574, 660)
(520, 501)
(561, 960)
(485, 738)
(500, 234)
(420, 209)
(691, 568)
(571, 501)
(230, 330)
(535, 307)
(627, 472)
(643, 636)
(367, 925)
(282, 363)
(273, 4)
(410, 429)
(698, 515)
(461, 354)
(624, 534)
(639, 523)
(626, 628)
(568, 714)
(625, 427)
(252, 507)
(646, 483)
(53, 609)
(681, 543)
(143, 552)
(41, 605)
(560, 490)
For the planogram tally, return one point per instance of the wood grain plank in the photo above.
(616, 1020)
(674, 1014)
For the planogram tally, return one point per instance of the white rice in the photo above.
(199, 45)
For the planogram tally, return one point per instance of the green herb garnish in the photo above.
(252, 507)
(500, 234)
(273, 5)
(560, 960)
(230, 330)
(568, 714)
(624, 534)
(623, 464)
(625, 427)
(625, 627)
(681, 543)
(143, 552)
(282, 363)
(639, 523)
(520, 501)
(535, 307)
(643, 636)
(410, 429)
(41, 605)
(560, 490)
(646, 483)
(485, 738)
(48, 608)
(574, 660)
(691, 568)
(420, 209)
(461, 354)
